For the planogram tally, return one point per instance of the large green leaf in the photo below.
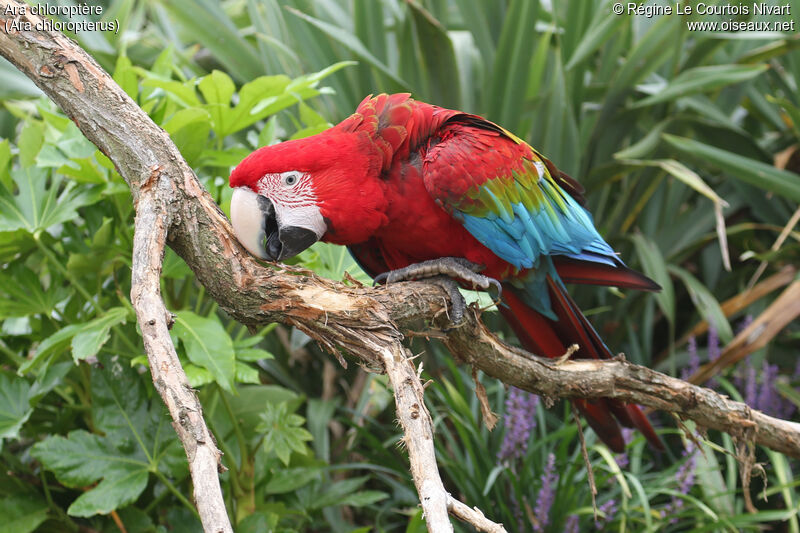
(217, 88)
(254, 92)
(48, 347)
(705, 302)
(258, 98)
(291, 479)
(86, 339)
(693, 180)
(137, 441)
(248, 406)
(189, 129)
(507, 82)
(208, 345)
(39, 205)
(94, 334)
(646, 55)
(15, 83)
(69, 146)
(344, 493)
(353, 43)
(14, 406)
(756, 173)
(282, 432)
(125, 414)
(435, 58)
(654, 266)
(599, 32)
(125, 76)
(81, 459)
(333, 261)
(267, 95)
(21, 514)
(30, 141)
(183, 93)
(702, 79)
(5, 161)
(207, 22)
(710, 476)
(22, 293)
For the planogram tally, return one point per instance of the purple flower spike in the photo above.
(684, 477)
(520, 420)
(686, 473)
(790, 406)
(713, 343)
(713, 351)
(622, 458)
(694, 359)
(608, 510)
(573, 524)
(768, 400)
(547, 495)
(750, 386)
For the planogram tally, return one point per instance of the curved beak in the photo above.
(257, 226)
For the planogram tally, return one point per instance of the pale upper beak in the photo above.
(258, 227)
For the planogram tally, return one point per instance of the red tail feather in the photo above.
(549, 338)
(588, 273)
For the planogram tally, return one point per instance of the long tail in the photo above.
(550, 338)
(588, 273)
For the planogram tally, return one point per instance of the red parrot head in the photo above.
(290, 195)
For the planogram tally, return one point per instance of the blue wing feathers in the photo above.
(524, 235)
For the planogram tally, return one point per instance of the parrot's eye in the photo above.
(290, 178)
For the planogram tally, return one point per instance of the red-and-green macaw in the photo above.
(415, 190)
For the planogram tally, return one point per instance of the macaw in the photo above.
(419, 191)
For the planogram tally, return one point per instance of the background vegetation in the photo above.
(665, 128)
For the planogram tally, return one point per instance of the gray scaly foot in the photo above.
(442, 272)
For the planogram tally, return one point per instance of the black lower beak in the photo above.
(283, 242)
(294, 240)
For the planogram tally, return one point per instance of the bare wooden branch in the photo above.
(417, 426)
(364, 322)
(473, 516)
(417, 433)
(168, 376)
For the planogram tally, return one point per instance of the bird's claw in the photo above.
(441, 272)
(458, 306)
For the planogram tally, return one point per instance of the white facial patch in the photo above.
(292, 194)
(304, 216)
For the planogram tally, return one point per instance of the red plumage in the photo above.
(398, 181)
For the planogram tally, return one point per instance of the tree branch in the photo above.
(150, 232)
(173, 207)
(418, 437)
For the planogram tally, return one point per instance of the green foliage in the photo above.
(675, 135)
(21, 515)
(91, 427)
(207, 345)
(15, 408)
(282, 432)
